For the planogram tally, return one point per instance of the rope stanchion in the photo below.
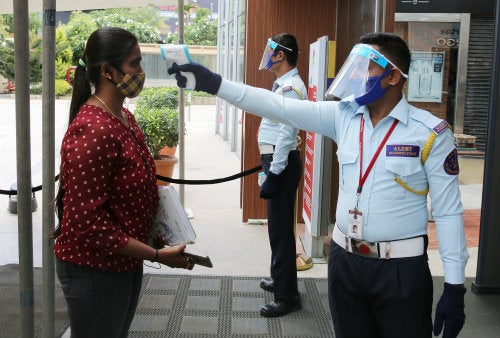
(12, 192)
(213, 181)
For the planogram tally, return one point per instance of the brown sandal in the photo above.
(304, 262)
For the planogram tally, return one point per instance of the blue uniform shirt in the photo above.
(282, 136)
(390, 212)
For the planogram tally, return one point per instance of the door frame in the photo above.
(463, 47)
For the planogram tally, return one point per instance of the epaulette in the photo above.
(434, 123)
(290, 88)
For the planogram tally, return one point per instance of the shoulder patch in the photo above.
(287, 89)
(431, 121)
(440, 127)
(450, 164)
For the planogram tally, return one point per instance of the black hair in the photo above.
(105, 45)
(392, 46)
(289, 41)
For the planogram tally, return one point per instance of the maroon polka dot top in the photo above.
(110, 191)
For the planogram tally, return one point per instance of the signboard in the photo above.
(425, 77)
(316, 83)
(308, 179)
(318, 155)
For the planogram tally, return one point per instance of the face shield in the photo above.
(354, 78)
(269, 51)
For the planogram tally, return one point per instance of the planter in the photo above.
(168, 151)
(165, 167)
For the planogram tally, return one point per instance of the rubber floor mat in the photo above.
(225, 306)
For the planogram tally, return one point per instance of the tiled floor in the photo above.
(472, 218)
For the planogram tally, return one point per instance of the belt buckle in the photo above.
(364, 248)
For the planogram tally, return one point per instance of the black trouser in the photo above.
(379, 298)
(281, 227)
(100, 303)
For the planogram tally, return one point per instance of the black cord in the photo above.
(214, 181)
(163, 178)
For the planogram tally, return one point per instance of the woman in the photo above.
(107, 195)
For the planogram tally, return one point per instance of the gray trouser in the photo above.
(100, 303)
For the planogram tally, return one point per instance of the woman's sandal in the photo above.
(304, 262)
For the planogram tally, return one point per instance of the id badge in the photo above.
(355, 224)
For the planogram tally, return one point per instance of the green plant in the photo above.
(158, 97)
(62, 88)
(36, 88)
(197, 93)
(157, 116)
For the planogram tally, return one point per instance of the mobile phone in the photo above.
(197, 259)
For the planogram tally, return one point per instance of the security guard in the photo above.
(283, 168)
(391, 155)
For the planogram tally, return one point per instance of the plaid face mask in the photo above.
(132, 84)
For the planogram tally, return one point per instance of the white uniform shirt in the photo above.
(390, 212)
(282, 136)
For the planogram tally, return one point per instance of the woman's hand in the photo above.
(172, 257)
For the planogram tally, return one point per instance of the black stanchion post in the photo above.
(488, 274)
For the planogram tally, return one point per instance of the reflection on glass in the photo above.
(425, 81)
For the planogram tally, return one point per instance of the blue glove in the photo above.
(450, 311)
(206, 81)
(270, 186)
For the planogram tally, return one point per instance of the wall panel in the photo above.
(307, 20)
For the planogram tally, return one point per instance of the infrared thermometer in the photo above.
(180, 55)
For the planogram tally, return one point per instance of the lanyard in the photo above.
(362, 177)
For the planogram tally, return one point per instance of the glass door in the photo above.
(437, 76)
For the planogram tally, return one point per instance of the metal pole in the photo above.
(181, 106)
(24, 195)
(488, 274)
(48, 148)
(221, 58)
(227, 63)
(379, 15)
(234, 110)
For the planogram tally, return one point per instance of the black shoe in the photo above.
(267, 284)
(279, 308)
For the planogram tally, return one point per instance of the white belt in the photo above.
(410, 247)
(265, 148)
